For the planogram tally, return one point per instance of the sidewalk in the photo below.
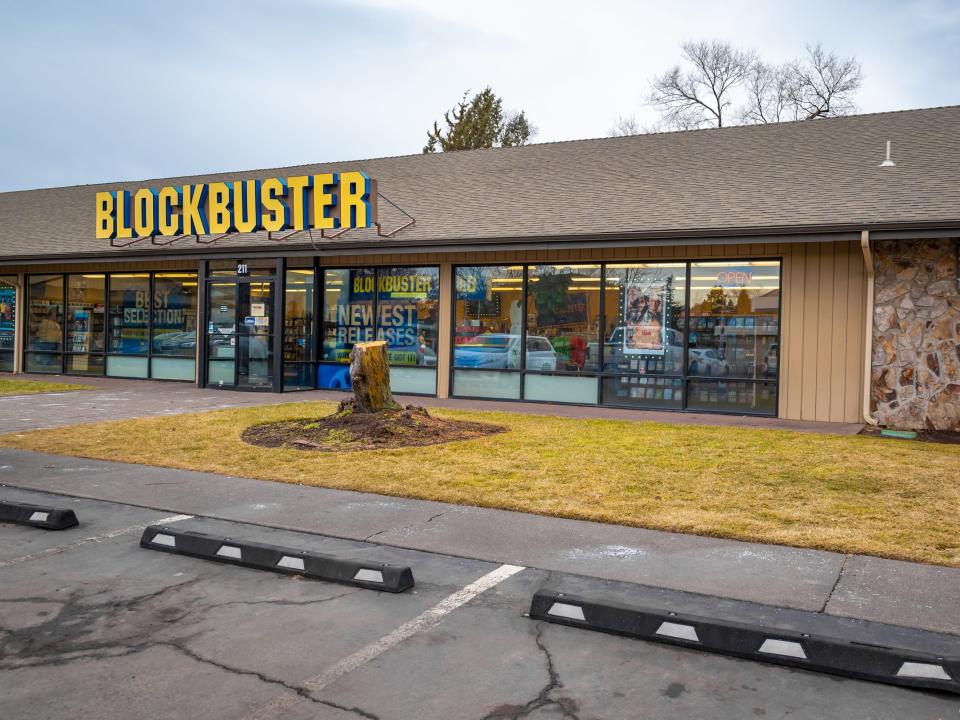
(114, 399)
(868, 588)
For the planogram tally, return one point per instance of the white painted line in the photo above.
(96, 538)
(423, 621)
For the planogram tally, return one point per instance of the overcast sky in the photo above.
(103, 91)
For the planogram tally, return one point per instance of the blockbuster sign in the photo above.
(326, 201)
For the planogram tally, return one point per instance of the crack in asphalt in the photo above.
(567, 706)
(836, 583)
(59, 640)
(409, 527)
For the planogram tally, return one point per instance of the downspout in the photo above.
(868, 337)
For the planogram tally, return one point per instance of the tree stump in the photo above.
(370, 377)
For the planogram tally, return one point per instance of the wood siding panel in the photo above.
(824, 301)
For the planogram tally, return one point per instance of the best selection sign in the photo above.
(326, 201)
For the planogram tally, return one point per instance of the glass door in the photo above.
(221, 333)
(255, 335)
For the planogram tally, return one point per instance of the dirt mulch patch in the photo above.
(346, 431)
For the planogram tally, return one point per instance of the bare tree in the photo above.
(626, 126)
(716, 83)
(770, 91)
(700, 93)
(824, 83)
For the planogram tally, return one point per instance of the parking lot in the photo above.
(95, 626)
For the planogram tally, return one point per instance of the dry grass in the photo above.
(891, 498)
(29, 387)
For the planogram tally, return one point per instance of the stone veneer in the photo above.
(916, 335)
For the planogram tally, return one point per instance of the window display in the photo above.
(44, 323)
(634, 334)
(733, 334)
(86, 312)
(563, 318)
(645, 308)
(8, 306)
(298, 329)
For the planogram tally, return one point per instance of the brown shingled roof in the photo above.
(791, 176)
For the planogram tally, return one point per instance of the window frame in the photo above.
(600, 373)
(104, 353)
(322, 306)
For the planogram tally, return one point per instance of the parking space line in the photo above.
(423, 621)
(96, 538)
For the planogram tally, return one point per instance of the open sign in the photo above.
(734, 277)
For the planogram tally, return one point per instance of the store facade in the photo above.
(772, 320)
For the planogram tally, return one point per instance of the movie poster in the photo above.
(645, 314)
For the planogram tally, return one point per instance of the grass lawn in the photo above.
(28, 387)
(893, 498)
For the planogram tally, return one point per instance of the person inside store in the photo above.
(49, 335)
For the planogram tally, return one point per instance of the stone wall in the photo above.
(916, 335)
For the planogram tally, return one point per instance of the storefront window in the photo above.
(563, 330)
(129, 324)
(733, 350)
(298, 336)
(8, 306)
(347, 319)
(644, 304)
(44, 323)
(174, 341)
(408, 309)
(652, 341)
(86, 312)
(488, 323)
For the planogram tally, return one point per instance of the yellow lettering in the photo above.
(355, 208)
(246, 205)
(276, 215)
(124, 229)
(220, 207)
(169, 222)
(325, 202)
(299, 208)
(194, 212)
(106, 223)
(145, 212)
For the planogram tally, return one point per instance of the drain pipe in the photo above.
(868, 337)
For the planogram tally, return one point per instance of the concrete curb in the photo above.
(39, 516)
(858, 649)
(288, 561)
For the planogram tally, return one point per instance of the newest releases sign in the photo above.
(326, 201)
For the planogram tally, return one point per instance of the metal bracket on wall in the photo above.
(325, 235)
(412, 220)
(134, 241)
(171, 241)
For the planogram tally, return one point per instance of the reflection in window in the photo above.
(408, 306)
(347, 311)
(129, 313)
(44, 323)
(563, 318)
(175, 314)
(298, 329)
(488, 317)
(8, 304)
(734, 326)
(643, 337)
(86, 311)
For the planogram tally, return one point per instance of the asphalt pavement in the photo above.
(92, 625)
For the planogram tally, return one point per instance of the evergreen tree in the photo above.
(479, 122)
